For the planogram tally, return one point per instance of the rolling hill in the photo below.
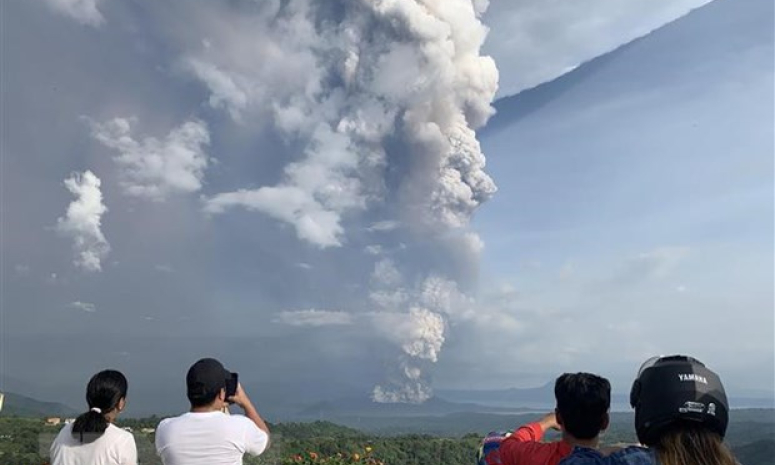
(17, 405)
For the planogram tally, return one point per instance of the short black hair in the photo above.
(583, 400)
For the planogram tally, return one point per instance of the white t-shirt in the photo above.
(208, 438)
(114, 447)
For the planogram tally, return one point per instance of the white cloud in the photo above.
(313, 196)
(342, 92)
(536, 41)
(83, 306)
(83, 221)
(313, 222)
(224, 92)
(374, 249)
(152, 168)
(83, 11)
(381, 226)
(314, 318)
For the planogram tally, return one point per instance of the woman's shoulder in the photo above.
(119, 433)
(65, 433)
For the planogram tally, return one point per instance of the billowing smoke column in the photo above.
(419, 334)
(383, 97)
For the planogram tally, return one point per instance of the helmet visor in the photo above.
(648, 364)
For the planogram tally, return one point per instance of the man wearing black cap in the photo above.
(207, 435)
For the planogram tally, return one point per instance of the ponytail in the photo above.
(92, 424)
(103, 393)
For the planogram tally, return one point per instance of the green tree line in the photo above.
(26, 441)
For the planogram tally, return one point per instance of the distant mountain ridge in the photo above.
(542, 397)
(515, 396)
(365, 407)
(22, 406)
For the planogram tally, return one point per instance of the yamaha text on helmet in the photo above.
(677, 389)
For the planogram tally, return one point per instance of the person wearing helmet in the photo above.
(583, 401)
(681, 417)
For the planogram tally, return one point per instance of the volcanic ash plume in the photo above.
(344, 78)
(381, 99)
(433, 303)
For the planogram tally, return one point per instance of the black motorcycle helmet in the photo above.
(677, 389)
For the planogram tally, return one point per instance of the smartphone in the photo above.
(231, 385)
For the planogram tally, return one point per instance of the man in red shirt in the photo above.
(583, 401)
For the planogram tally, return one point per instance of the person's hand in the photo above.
(549, 421)
(240, 398)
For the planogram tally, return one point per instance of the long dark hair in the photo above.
(103, 393)
(686, 444)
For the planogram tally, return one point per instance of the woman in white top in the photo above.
(93, 439)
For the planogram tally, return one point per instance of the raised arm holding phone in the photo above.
(206, 435)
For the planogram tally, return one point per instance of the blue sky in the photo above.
(308, 202)
(639, 202)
